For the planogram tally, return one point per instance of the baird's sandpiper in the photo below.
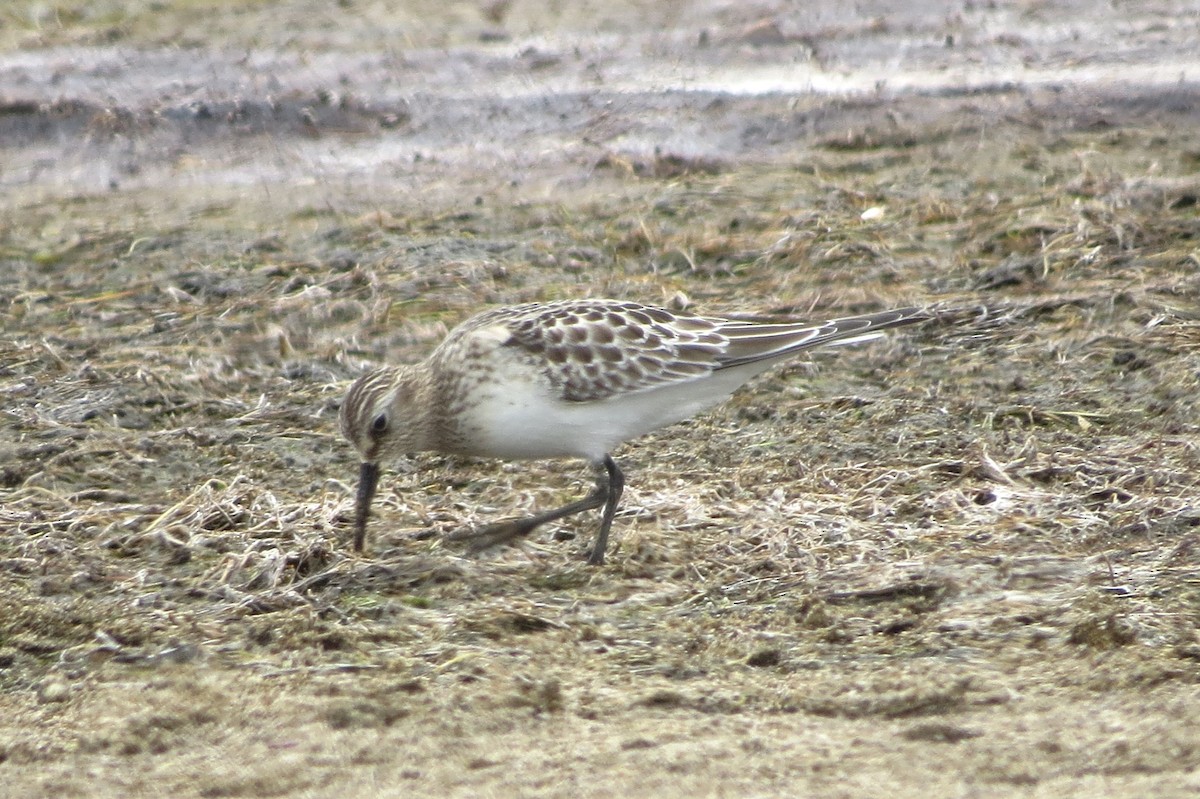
(568, 379)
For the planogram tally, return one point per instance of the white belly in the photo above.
(528, 422)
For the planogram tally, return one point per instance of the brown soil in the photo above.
(961, 561)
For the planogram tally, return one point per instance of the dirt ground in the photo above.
(960, 561)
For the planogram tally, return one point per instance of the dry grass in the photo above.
(957, 530)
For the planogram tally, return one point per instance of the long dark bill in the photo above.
(368, 477)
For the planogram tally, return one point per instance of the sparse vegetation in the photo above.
(968, 549)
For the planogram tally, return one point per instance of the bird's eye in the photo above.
(380, 424)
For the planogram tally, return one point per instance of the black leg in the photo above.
(609, 485)
(616, 485)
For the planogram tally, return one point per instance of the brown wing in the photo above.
(751, 341)
(595, 349)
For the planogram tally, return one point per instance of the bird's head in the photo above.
(376, 418)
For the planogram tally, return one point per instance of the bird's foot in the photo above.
(492, 535)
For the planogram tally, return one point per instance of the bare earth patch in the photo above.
(960, 561)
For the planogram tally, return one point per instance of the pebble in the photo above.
(53, 690)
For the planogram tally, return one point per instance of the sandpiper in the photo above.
(568, 379)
